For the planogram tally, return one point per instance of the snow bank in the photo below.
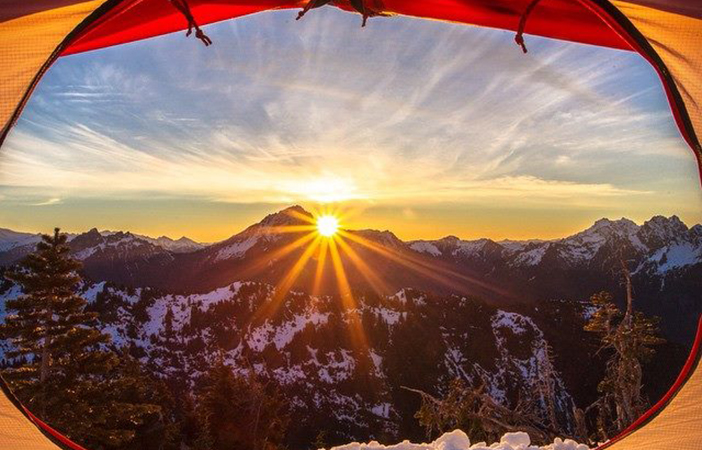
(457, 440)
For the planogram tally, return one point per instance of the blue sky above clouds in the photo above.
(430, 128)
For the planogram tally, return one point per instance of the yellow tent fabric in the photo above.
(675, 422)
(676, 427)
(675, 32)
(30, 31)
(17, 432)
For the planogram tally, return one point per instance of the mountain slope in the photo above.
(351, 388)
(307, 345)
(663, 254)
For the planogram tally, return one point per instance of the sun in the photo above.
(327, 225)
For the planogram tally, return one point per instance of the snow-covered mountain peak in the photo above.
(450, 240)
(660, 230)
(11, 239)
(696, 233)
(293, 215)
(452, 245)
(608, 228)
(182, 245)
(267, 231)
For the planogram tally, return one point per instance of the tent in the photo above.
(21, 430)
(673, 422)
(667, 33)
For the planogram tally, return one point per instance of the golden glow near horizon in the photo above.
(105, 143)
(327, 225)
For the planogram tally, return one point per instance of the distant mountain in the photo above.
(661, 245)
(182, 245)
(15, 245)
(664, 255)
(10, 240)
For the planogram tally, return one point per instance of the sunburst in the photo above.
(327, 225)
(324, 239)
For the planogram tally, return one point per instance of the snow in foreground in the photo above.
(457, 440)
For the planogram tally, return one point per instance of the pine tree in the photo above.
(546, 387)
(62, 369)
(204, 440)
(240, 412)
(629, 337)
(48, 325)
(320, 442)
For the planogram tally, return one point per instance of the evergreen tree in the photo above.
(188, 420)
(61, 367)
(204, 440)
(49, 327)
(240, 412)
(629, 337)
(320, 442)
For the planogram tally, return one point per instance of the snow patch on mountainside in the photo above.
(425, 247)
(123, 243)
(458, 440)
(531, 257)
(236, 250)
(182, 245)
(283, 334)
(11, 239)
(675, 256)
(541, 380)
(470, 248)
(515, 322)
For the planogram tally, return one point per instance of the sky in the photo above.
(421, 127)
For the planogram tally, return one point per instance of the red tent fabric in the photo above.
(674, 420)
(665, 32)
(22, 430)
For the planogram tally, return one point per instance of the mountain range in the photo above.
(663, 254)
(509, 314)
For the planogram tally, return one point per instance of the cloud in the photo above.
(402, 111)
(49, 202)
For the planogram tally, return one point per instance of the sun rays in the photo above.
(328, 254)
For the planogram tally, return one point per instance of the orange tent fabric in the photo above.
(21, 430)
(667, 33)
(673, 422)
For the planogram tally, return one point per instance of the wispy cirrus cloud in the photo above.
(403, 111)
(48, 202)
